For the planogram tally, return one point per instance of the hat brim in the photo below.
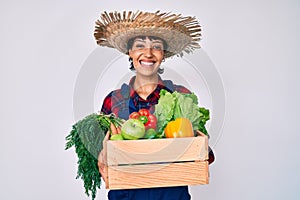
(115, 31)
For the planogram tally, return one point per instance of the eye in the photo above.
(139, 46)
(157, 47)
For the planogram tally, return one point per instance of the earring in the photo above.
(163, 60)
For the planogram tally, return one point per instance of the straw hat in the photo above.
(115, 29)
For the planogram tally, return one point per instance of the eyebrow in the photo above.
(143, 40)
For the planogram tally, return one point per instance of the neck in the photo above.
(145, 85)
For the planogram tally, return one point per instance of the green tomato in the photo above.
(116, 137)
(150, 133)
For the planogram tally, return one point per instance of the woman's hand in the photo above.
(102, 165)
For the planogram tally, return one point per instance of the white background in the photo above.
(253, 43)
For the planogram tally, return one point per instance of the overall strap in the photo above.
(124, 102)
(169, 85)
(127, 104)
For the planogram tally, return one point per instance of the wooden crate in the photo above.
(157, 162)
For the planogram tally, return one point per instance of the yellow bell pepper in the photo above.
(180, 127)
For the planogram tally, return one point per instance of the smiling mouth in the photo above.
(147, 63)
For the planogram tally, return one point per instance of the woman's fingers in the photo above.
(106, 136)
(102, 159)
(102, 155)
(119, 130)
(102, 165)
(113, 129)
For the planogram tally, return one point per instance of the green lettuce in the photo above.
(177, 105)
(164, 110)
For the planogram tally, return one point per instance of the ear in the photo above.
(130, 53)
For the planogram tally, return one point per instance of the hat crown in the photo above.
(115, 29)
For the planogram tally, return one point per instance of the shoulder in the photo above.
(174, 87)
(122, 92)
(181, 89)
(110, 99)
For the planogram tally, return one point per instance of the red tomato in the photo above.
(134, 115)
(152, 120)
(144, 112)
(144, 116)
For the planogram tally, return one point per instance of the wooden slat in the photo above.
(157, 150)
(158, 175)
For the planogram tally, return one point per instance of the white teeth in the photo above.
(147, 63)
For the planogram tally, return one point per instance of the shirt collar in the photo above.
(159, 86)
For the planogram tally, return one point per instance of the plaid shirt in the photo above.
(126, 100)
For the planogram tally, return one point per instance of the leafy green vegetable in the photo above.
(175, 105)
(87, 136)
(204, 117)
(187, 107)
(164, 109)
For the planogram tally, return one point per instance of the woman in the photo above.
(148, 38)
(146, 54)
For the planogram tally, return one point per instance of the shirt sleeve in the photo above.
(106, 106)
(182, 89)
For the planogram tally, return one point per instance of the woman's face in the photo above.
(147, 55)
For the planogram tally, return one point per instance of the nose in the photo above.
(148, 52)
